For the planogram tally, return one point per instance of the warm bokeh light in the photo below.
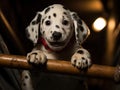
(99, 24)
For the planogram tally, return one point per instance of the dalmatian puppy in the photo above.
(58, 33)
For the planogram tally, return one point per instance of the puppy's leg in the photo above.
(26, 81)
(81, 59)
(34, 57)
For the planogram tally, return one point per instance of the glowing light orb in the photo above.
(99, 24)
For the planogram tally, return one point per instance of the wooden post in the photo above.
(58, 66)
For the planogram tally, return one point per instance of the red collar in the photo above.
(42, 40)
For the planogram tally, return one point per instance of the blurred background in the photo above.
(101, 16)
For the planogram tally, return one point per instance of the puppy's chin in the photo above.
(56, 46)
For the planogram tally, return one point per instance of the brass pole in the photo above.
(11, 32)
(58, 66)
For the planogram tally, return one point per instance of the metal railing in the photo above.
(60, 66)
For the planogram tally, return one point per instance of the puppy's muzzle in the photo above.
(56, 35)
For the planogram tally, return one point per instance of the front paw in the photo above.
(81, 59)
(36, 57)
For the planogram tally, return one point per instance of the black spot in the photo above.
(75, 16)
(43, 20)
(75, 61)
(34, 22)
(80, 51)
(64, 30)
(65, 13)
(38, 18)
(65, 22)
(48, 9)
(24, 84)
(35, 53)
(80, 21)
(83, 58)
(54, 14)
(32, 29)
(26, 77)
(57, 26)
(49, 17)
(81, 28)
(43, 32)
(36, 36)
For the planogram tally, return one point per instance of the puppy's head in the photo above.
(56, 25)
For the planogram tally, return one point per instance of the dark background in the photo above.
(104, 46)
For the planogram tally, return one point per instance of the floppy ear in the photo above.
(33, 30)
(81, 29)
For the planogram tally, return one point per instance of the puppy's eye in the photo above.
(65, 22)
(47, 22)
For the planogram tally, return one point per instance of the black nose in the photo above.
(56, 35)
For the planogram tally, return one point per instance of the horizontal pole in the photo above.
(58, 66)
